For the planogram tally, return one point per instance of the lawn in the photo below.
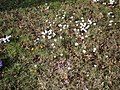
(59, 45)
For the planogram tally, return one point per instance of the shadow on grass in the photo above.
(13, 4)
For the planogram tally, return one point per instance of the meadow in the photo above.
(59, 45)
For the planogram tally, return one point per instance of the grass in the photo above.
(32, 61)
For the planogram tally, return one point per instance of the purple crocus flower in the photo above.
(1, 63)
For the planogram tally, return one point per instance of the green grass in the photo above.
(41, 66)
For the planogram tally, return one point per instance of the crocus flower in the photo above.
(1, 63)
(6, 39)
(111, 2)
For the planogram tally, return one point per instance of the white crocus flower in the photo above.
(52, 44)
(83, 29)
(43, 36)
(60, 25)
(94, 24)
(64, 26)
(82, 18)
(96, 0)
(77, 24)
(87, 27)
(50, 24)
(38, 39)
(84, 51)
(50, 32)
(111, 21)
(89, 21)
(46, 32)
(47, 8)
(46, 21)
(94, 49)
(54, 34)
(53, 22)
(110, 13)
(111, 2)
(67, 26)
(86, 36)
(55, 40)
(69, 68)
(49, 37)
(60, 29)
(71, 17)
(61, 54)
(74, 29)
(54, 56)
(61, 37)
(63, 17)
(76, 44)
(35, 66)
(95, 65)
(43, 33)
(81, 24)
(6, 39)
(82, 37)
(77, 21)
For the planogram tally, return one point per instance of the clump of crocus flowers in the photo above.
(5, 40)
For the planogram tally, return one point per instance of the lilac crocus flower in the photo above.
(1, 63)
